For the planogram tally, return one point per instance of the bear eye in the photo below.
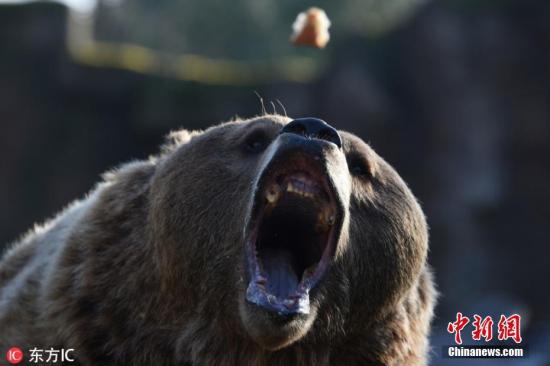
(256, 142)
(359, 166)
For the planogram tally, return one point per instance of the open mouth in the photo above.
(293, 234)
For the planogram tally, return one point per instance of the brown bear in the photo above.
(266, 241)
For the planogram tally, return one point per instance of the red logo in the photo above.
(457, 326)
(508, 328)
(483, 328)
(14, 355)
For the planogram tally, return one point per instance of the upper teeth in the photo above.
(300, 188)
(299, 185)
(326, 218)
(273, 193)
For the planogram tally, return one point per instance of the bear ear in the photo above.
(177, 138)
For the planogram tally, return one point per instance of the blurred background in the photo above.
(454, 93)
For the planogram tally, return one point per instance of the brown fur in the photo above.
(148, 269)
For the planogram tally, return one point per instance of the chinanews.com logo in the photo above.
(506, 343)
(38, 356)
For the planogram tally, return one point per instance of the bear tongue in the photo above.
(282, 281)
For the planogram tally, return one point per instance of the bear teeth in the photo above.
(261, 281)
(326, 218)
(301, 187)
(298, 185)
(289, 302)
(273, 193)
(308, 272)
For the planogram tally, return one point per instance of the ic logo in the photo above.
(14, 355)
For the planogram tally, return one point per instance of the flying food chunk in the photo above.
(311, 28)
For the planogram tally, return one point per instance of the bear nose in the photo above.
(313, 128)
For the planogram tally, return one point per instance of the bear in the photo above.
(261, 241)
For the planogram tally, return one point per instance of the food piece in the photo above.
(311, 28)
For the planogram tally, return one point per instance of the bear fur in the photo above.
(148, 268)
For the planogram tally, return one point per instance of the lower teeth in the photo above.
(308, 272)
